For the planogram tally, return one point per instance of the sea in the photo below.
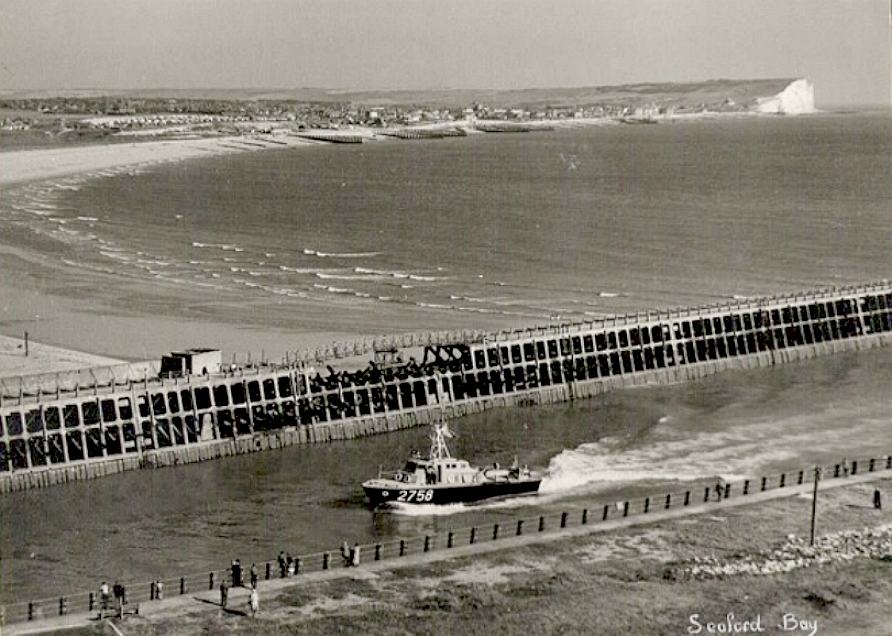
(485, 232)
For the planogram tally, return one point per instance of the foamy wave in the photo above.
(333, 290)
(424, 510)
(310, 252)
(369, 277)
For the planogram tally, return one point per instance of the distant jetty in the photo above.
(192, 409)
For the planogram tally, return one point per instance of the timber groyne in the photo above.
(105, 421)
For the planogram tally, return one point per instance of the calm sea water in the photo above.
(485, 231)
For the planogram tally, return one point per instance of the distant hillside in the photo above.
(741, 92)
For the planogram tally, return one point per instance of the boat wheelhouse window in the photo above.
(124, 408)
(690, 355)
(757, 319)
(552, 349)
(747, 322)
(91, 413)
(649, 358)
(254, 391)
(588, 344)
(565, 346)
(611, 340)
(720, 347)
(717, 325)
(577, 345)
(51, 417)
(556, 374)
(269, 389)
(529, 352)
(707, 326)
(108, 411)
(14, 424)
(506, 358)
(686, 329)
(33, 421)
(644, 334)
(604, 364)
(601, 341)
(221, 395)
(656, 333)
(71, 416)
(615, 366)
(158, 406)
(113, 441)
(492, 356)
(479, 359)
(94, 442)
(56, 448)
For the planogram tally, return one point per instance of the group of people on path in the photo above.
(120, 594)
(238, 581)
(350, 555)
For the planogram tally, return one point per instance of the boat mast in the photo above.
(439, 450)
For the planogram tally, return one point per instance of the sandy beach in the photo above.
(33, 165)
(43, 358)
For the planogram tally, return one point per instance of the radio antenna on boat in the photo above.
(439, 449)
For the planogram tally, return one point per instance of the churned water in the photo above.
(483, 231)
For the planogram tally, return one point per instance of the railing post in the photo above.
(152, 591)
(30, 610)
(855, 467)
(519, 527)
(606, 511)
(541, 523)
(325, 559)
(473, 535)
(668, 501)
(764, 483)
(563, 520)
(182, 585)
(836, 471)
(91, 601)
(427, 543)
(584, 516)
(646, 504)
(63, 606)
(495, 531)
(727, 490)
(687, 497)
(402, 547)
(211, 581)
(625, 508)
(783, 479)
(801, 477)
(746, 487)
(269, 570)
(870, 466)
(377, 552)
(889, 462)
(706, 495)
(450, 538)
(296, 565)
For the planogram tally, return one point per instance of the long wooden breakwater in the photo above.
(56, 432)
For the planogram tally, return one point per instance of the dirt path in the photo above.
(207, 602)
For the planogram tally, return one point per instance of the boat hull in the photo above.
(381, 494)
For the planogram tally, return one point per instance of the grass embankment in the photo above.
(601, 584)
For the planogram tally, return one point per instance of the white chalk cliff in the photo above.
(796, 99)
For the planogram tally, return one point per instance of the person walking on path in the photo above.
(354, 555)
(254, 575)
(877, 499)
(103, 598)
(254, 602)
(224, 593)
(283, 564)
(159, 590)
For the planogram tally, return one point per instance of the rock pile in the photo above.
(795, 553)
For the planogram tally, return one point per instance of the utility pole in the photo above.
(814, 503)
(26, 344)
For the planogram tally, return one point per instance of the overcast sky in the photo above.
(842, 45)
